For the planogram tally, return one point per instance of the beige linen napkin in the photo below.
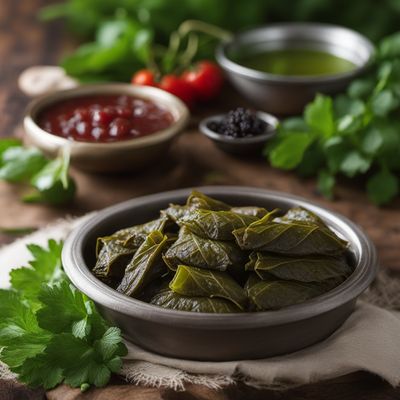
(369, 340)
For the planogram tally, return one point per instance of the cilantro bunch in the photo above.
(48, 179)
(354, 134)
(51, 333)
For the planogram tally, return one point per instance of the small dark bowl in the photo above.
(240, 146)
(217, 337)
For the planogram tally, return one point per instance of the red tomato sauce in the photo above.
(106, 118)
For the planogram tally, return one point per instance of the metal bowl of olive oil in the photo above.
(280, 67)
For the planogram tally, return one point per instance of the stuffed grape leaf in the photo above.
(275, 294)
(303, 269)
(135, 235)
(290, 238)
(175, 301)
(217, 225)
(176, 212)
(197, 282)
(300, 214)
(195, 201)
(198, 200)
(113, 258)
(193, 250)
(145, 266)
(258, 212)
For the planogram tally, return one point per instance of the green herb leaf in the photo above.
(384, 102)
(7, 143)
(53, 183)
(290, 151)
(63, 309)
(382, 187)
(390, 46)
(20, 164)
(372, 140)
(319, 116)
(354, 163)
(44, 267)
(66, 339)
(326, 183)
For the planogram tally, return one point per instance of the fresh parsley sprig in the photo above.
(50, 332)
(49, 179)
(354, 134)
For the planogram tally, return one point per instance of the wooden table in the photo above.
(193, 161)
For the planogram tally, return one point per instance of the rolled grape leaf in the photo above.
(176, 212)
(252, 280)
(303, 269)
(217, 225)
(272, 295)
(300, 214)
(154, 287)
(175, 301)
(135, 235)
(258, 212)
(112, 258)
(197, 282)
(145, 266)
(198, 200)
(193, 250)
(289, 238)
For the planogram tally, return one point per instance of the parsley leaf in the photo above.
(50, 332)
(382, 187)
(289, 152)
(20, 164)
(49, 179)
(319, 116)
(44, 267)
(52, 183)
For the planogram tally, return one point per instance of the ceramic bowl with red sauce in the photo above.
(107, 127)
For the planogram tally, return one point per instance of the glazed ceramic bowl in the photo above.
(246, 146)
(218, 337)
(126, 155)
(281, 94)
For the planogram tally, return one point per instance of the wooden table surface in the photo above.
(193, 161)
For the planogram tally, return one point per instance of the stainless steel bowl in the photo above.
(285, 95)
(240, 146)
(202, 336)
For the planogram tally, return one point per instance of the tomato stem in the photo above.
(199, 26)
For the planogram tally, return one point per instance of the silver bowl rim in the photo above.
(176, 106)
(100, 293)
(231, 66)
(270, 131)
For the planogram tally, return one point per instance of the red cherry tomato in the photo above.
(206, 80)
(178, 87)
(144, 77)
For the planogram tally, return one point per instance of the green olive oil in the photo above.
(297, 62)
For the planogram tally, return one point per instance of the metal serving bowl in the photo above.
(240, 146)
(123, 155)
(203, 336)
(281, 94)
